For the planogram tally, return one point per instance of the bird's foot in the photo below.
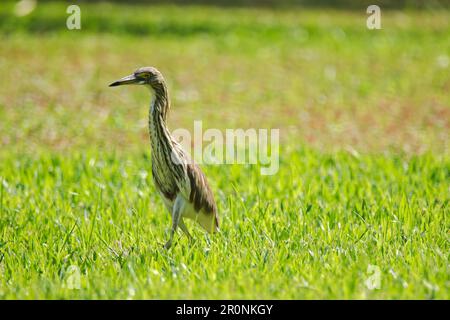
(168, 245)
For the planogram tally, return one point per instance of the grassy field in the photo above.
(364, 160)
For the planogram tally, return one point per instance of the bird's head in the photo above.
(145, 75)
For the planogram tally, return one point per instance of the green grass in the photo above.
(364, 163)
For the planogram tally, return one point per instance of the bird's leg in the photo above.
(176, 217)
(185, 230)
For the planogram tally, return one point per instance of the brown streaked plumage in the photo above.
(181, 183)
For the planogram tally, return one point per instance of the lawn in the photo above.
(364, 164)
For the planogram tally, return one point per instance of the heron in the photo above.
(179, 180)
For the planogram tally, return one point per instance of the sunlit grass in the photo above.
(364, 167)
(308, 232)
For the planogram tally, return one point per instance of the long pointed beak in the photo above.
(131, 79)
